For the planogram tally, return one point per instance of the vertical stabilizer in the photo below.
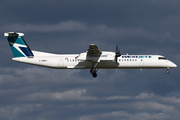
(18, 45)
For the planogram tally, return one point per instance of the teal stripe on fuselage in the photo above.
(16, 53)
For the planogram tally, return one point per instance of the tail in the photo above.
(18, 45)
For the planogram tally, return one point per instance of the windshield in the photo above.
(162, 58)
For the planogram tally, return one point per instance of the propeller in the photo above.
(117, 54)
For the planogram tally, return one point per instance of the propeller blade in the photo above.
(116, 48)
(116, 60)
(117, 53)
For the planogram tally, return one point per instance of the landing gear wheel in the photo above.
(167, 71)
(92, 71)
(94, 75)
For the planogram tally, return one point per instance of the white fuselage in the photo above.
(69, 61)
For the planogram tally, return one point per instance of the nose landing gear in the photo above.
(167, 71)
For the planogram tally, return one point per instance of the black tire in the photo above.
(94, 75)
(167, 71)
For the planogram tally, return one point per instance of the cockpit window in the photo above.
(162, 58)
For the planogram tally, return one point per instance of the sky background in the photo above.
(68, 26)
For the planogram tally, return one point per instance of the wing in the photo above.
(93, 50)
(93, 53)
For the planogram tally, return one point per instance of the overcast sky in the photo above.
(68, 26)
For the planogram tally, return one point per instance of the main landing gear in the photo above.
(94, 70)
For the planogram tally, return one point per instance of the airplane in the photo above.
(93, 59)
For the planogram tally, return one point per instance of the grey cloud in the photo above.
(118, 97)
(15, 111)
(62, 26)
(67, 95)
(116, 115)
(145, 109)
(155, 106)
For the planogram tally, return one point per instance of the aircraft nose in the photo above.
(172, 65)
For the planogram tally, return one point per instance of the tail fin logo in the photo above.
(18, 45)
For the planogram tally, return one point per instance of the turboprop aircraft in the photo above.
(93, 59)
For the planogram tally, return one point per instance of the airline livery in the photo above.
(93, 59)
